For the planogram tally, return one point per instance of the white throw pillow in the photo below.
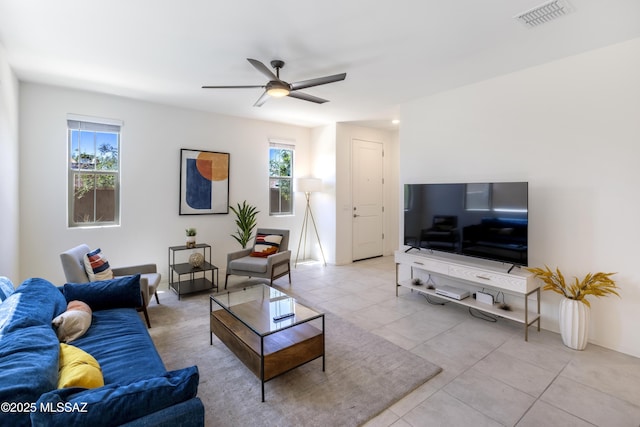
(73, 323)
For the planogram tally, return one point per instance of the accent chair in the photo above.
(266, 258)
(75, 272)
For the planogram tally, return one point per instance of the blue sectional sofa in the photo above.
(137, 391)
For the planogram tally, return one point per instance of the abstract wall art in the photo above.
(204, 182)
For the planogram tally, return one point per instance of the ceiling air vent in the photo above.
(544, 13)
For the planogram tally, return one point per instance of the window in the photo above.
(280, 179)
(94, 171)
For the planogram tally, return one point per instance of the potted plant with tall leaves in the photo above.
(574, 307)
(245, 221)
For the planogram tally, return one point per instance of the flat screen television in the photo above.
(484, 220)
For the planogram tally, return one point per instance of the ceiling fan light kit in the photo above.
(278, 88)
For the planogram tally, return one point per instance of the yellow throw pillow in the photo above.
(78, 368)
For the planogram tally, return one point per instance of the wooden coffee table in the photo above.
(269, 331)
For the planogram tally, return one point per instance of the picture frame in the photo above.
(204, 182)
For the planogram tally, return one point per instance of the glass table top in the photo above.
(264, 309)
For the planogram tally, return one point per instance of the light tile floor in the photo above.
(491, 376)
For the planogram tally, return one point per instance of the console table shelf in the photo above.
(193, 283)
(478, 276)
(516, 314)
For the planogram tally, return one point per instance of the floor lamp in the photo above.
(308, 186)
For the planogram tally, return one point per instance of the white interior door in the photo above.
(367, 182)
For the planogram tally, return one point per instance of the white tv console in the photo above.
(475, 273)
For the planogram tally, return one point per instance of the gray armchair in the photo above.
(240, 263)
(74, 271)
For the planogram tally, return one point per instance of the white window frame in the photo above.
(96, 125)
(283, 145)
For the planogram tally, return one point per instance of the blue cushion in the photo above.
(6, 288)
(29, 347)
(117, 404)
(122, 292)
(34, 302)
(189, 413)
(130, 354)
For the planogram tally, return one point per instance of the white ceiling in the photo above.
(392, 51)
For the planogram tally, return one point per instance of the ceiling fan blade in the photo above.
(262, 100)
(307, 97)
(232, 87)
(317, 82)
(263, 69)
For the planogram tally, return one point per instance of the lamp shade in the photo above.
(309, 185)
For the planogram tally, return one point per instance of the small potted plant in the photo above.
(574, 307)
(191, 237)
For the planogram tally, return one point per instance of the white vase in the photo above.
(574, 323)
(191, 241)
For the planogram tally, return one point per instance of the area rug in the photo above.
(364, 375)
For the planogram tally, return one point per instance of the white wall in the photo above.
(392, 194)
(323, 154)
(571, 128)
(9, 219)
(152, 137)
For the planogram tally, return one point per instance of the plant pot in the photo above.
(191, 241)
(574, 323)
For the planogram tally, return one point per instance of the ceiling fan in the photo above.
(278, 88)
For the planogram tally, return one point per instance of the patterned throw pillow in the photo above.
(266, 244)
(97, 266)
